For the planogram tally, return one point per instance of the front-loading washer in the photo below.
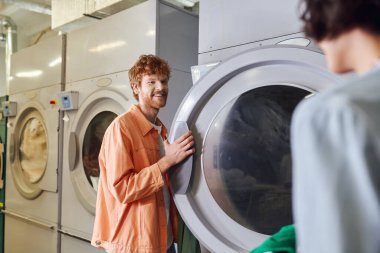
(31, 210)
(236, 189)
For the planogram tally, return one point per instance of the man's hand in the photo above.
(177, 151)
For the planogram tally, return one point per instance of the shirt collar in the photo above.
(144, 124)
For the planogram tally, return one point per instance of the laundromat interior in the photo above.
(239, 69)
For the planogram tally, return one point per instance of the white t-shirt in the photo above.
(165, 190)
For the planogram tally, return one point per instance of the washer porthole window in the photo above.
(247, 149)
(92, 143)
(33, 151)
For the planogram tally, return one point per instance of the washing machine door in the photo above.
(236, 189)
(86, 134)
(33, 156)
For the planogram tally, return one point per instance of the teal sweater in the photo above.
(283, 241)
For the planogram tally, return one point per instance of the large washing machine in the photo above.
(236, 189)
(99, 101)
(3, 144)
(97, 90)
(31, 212)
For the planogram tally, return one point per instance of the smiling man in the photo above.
(135, 211)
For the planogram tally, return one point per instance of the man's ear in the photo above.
(135, 88)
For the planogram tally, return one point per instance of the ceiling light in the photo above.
(150, 33)
(33, 73)
(55, 62)
(107, 46)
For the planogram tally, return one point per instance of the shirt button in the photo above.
(98, 242)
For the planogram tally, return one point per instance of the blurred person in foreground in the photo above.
(135, 212)
(335, 135)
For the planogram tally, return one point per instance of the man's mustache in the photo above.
(162, 93)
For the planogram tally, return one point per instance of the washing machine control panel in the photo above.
(9, 108)
(68, 100)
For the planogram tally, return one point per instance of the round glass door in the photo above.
(85, 139)
(33, 150)
(92, 143)
(31, 145)
(248, 147)
(238, 190)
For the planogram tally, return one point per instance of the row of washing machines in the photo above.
(63, 94)
(253, 68)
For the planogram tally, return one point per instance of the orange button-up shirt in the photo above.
(130, 209)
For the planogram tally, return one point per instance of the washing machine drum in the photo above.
(236, 189)
(248, 142)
